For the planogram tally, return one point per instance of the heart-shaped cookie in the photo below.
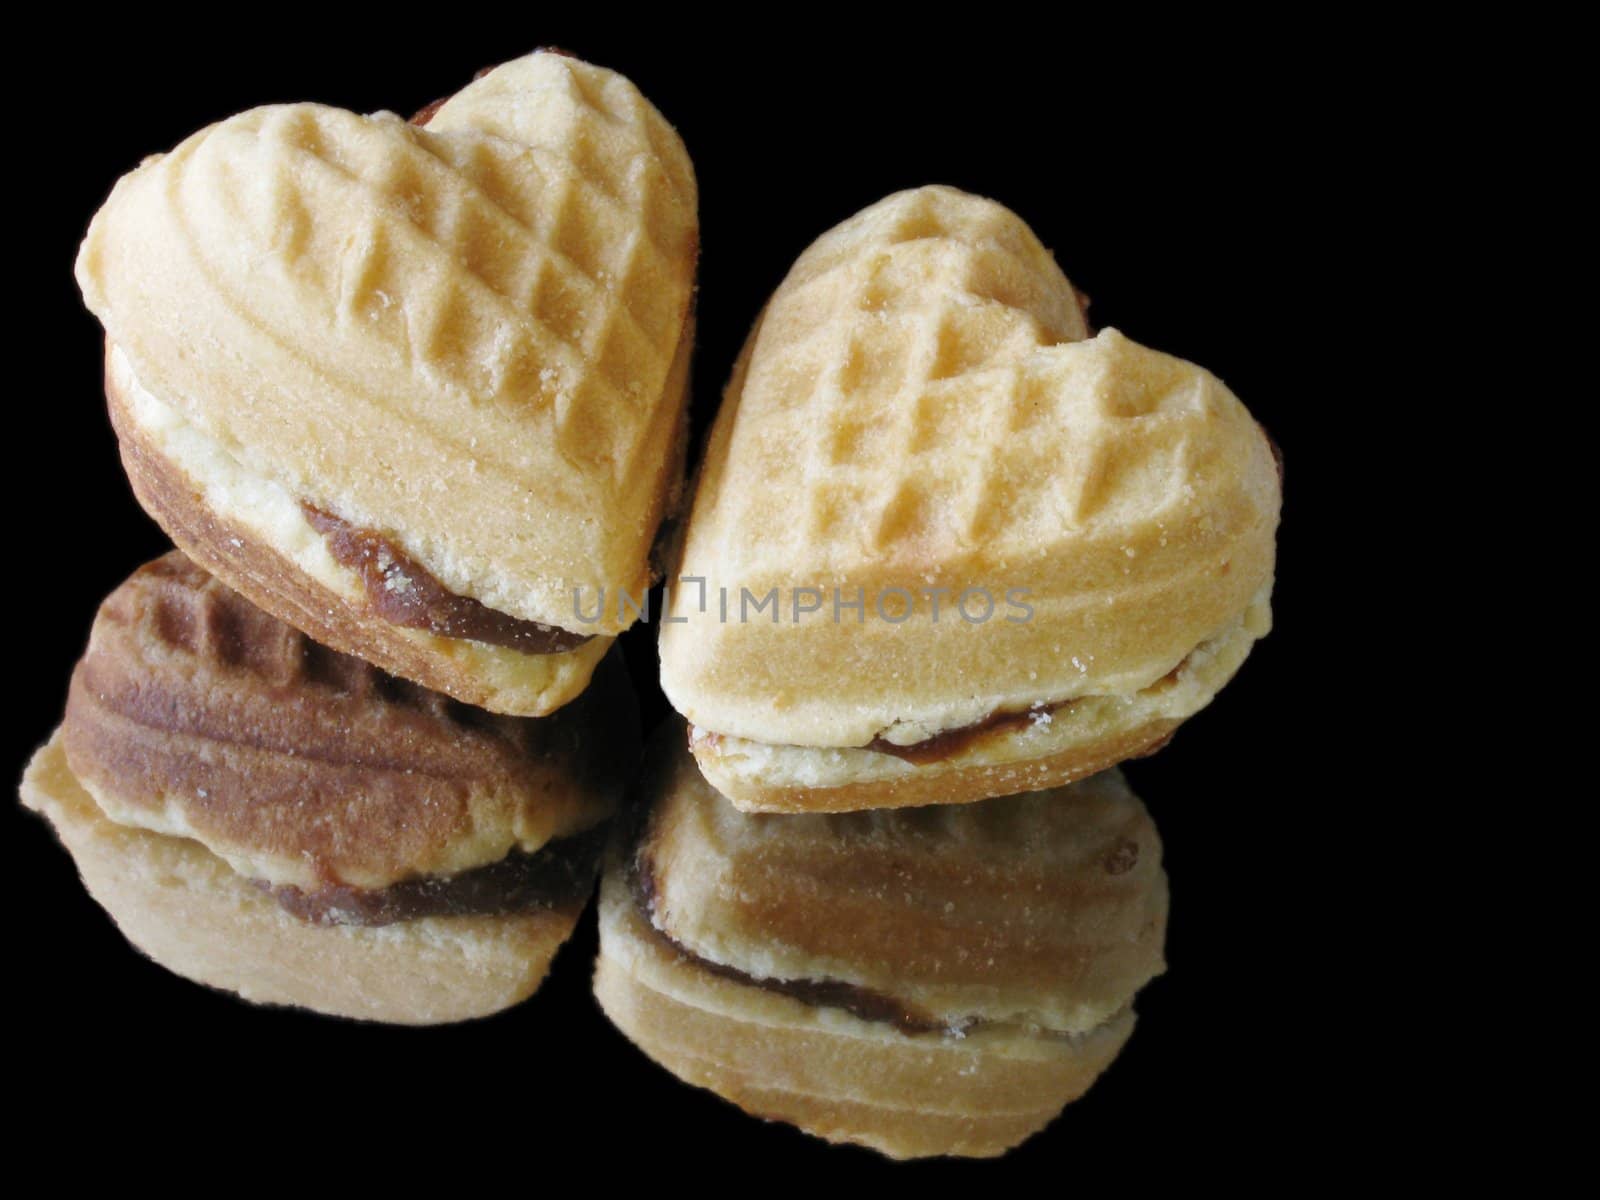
(928, 982)
(416, 390)
(268, 816)
(946, 545)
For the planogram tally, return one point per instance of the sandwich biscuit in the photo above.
(274, 818)
(418, 391)
(948, 544)
(927, 981)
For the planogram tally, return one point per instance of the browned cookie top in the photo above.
(194, 713)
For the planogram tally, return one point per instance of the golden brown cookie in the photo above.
(946, 544)
(923, 981)
(420, 392)
(274, 818)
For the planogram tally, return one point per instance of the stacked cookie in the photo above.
(395, 390)
(950, 556)
(410, 398)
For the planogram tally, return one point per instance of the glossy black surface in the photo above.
(1199, 191)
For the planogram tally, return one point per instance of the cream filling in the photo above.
(487, 842)
(270, 512)
(265, 508)
(1083, 722)
(145, 860)
(466, 853)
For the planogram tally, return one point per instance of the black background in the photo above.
(1197, 193)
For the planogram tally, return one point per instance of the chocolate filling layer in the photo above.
(403, 592)
(860, 1002)
(556, 874)
(952, 741)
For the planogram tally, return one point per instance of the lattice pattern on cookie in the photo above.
(611, 283)
(911, 380)
(175, 610)
(901, 318)
(533, 244)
